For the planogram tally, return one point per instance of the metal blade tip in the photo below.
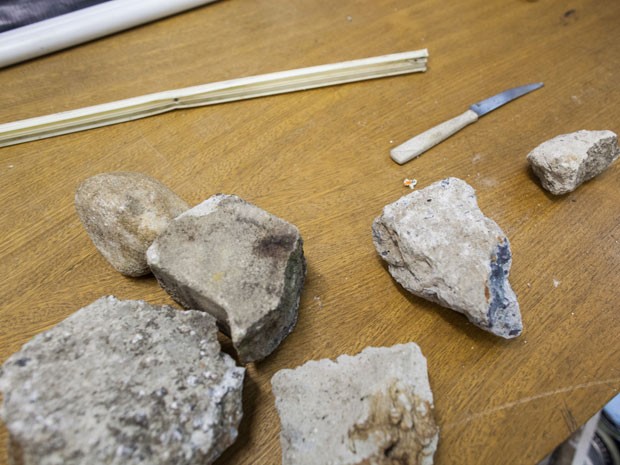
(490, 104)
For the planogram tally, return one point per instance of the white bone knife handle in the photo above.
(422, 142)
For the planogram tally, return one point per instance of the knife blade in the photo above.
(419, 144)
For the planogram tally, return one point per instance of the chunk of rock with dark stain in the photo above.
(439, 245)
(122, 382)
(375, 408)
(565, 162)
(123, 213)
(238, 262)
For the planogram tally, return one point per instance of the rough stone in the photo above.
(241, 264)
(375, 408)
(122, 382)
(123, 213)
(565, 162)
(440, 246)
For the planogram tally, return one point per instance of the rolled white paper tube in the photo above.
(84, 25)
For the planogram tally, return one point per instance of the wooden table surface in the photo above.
(319, 159)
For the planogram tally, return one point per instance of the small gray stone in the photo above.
(565, 162)
(123, 213)
(241, 264)
(122, 382)
(375, 408)
(440, 246)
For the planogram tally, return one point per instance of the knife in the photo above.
(422, 142)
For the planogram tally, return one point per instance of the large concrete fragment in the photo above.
(241, 264)
(122, 382)
(565, 162)
(440, 246)
(123, 213)
(375, 408)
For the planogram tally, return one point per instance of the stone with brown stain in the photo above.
(375, 408)
(238, 262)
(123, 213)
(402, 424)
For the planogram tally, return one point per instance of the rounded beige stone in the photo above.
(123, 213)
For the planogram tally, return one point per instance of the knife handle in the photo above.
(422, 142)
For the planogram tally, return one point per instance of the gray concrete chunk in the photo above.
(122, 382)
(123, 213)
(375, 408)
(565, 162)
(238, 262)
(440, 246)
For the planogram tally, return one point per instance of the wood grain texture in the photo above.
(320, 159)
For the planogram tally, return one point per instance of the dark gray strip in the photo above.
(18, 13)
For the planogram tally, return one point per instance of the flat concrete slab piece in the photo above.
(441, 247)
(122, 382)
(565, 162)
(241, 264)
(123, 213)
(375, 408)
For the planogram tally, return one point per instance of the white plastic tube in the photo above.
(262, 85)
(84, 25)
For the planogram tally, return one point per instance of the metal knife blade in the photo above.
(485, 106)
(422, 142)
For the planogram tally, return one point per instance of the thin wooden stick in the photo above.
(210, 94)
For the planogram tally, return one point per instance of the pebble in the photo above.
(565, 162)
(123, 213)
